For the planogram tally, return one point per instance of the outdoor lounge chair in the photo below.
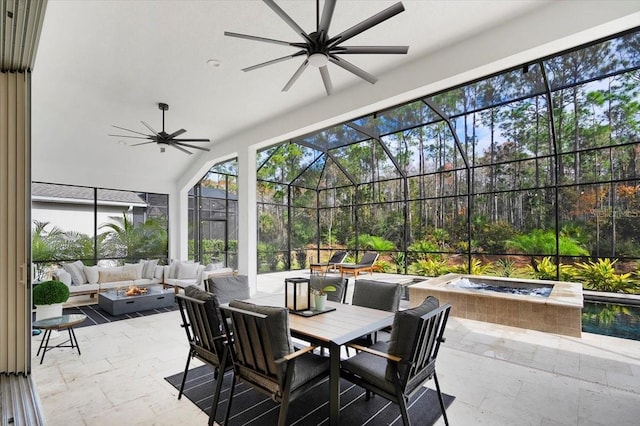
(398, 369)
(365, 264)
(333, 263)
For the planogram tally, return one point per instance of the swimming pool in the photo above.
(616, 320)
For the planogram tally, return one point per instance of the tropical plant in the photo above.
(423, 250)
(541, 242)
(545, 269)
(505, 268)
(602, 276)
(122, 238)
(50, 244)
(429, 267)
(373, 242)
(50, 292)
(476, 268)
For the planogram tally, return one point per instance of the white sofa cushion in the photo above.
(62, 276)
(76, 270)
(92, 274)
(188, 270)
(135, 267)
(107, 275)
(149, 268)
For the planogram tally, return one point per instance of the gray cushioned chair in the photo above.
(319, 282)
(207, 339)
(229, 288)
(398, 369)
(263, 355)
(376, 295)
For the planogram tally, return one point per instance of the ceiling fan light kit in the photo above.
(162, 138)
(319, 49)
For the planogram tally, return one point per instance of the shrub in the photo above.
(50, 292)
(601, 276)
(545, 269)
(429, 267)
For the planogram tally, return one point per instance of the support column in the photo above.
(247, 216)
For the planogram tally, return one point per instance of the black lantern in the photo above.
(297, 293)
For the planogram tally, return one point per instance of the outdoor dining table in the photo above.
(332, 329)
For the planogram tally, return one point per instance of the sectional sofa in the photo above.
(91, 280)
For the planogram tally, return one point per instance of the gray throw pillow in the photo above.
(278, 320)
(229, 288)
(377, 295)
(319, 282)
(405, 327)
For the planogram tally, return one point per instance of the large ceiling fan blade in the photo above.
(129, 130)
(191, 146)
(176, 133)
(150, 128)
(176, 146)
(130, 137)
(286, 18)
(353, 69)
(324, 72)
(325, 19)
(295, 76)
(274, 61)
(142, 143)
(256, 38)
(383, 50)
(191, 140)
(374, 20)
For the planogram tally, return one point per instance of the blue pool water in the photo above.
(611, 320)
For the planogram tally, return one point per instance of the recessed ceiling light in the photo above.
(213, 63)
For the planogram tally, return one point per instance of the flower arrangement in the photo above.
(322, 291)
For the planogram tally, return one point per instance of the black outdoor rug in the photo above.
(95, 315)
(253, 408)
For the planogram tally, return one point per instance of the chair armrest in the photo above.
(390, 357)
(296, 354)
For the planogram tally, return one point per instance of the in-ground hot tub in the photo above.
(560, 311)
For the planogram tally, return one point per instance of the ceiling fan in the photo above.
(163, 138)
(318, 48)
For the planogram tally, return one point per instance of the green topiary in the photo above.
(50, 292)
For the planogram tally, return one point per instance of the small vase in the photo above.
(321, 301)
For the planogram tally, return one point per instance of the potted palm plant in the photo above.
(320, 296)
(49, 297)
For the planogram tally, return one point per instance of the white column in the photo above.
(247, 216)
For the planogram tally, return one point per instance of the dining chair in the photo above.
(397, 370)
(381, 295)
(319, 282)
(263, 356)
(206, 336)
(229, 288)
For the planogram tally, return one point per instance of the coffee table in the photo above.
(58, 323)
(116, 303)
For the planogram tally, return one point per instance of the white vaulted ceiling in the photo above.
(103, 63)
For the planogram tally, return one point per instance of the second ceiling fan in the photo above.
(319, 49)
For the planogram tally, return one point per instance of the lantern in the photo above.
(297, 293)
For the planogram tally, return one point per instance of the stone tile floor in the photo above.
(499, 375)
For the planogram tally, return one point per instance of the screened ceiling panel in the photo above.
(332, 137)
(366, 161)
(502, 88)
(606, 58)
(226, 168)
(333, 177)
(311, 175)
(403, 117)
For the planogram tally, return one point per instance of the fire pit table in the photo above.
(119, 303)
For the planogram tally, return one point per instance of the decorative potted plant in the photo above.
(48, 298)
(320, 296)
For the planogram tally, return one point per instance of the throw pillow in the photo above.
(62, 276)
(230, 288)
(149, 268)
(91, 272)
(159, 270)
(278, 320)
(405, 327)
(213, 266)
(187, 271)
(76, 270)
(135, 267)
(109, 275)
